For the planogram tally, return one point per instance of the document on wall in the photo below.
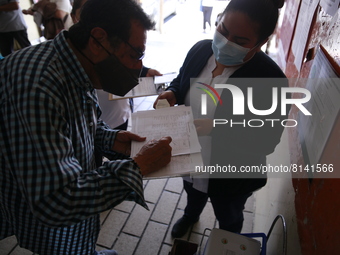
(176, 122)
(324, 85)
(330, 6)
(303, 25)
(145, 87)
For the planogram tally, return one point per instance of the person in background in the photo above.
(51, 192)
(12, 27)
(53, 15)
(233, 55)
(207, 7)
(64, 8)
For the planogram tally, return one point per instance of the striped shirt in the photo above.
(51, 193)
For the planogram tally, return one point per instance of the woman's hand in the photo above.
(168, 95)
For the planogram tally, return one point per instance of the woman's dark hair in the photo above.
(263, 12)
(114, 16)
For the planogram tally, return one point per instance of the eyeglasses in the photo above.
(140, 55)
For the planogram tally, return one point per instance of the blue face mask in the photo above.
(226, 52)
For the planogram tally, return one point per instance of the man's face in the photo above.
(129, 53)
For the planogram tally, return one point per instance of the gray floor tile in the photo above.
(126, 244)
(138, 220)
(165, 249)
(175, 185)
(7, 245)
(152, 239)
(248, 222)
(20, 251)
(153, 190)
(165, 207)
(103, 216)
(111, 228)
(126, 206)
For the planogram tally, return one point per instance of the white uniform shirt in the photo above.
(205, 76)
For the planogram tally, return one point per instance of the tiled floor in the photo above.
(132, 230)
(129, 228)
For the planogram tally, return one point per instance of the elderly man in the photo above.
(51, 193)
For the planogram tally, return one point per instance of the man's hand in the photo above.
(203, 126)
(153, 72)
(154, 155)
(123, 140)
(168, 95)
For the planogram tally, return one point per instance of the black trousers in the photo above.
(7, 41)
(228, 209)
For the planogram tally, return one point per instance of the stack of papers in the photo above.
(148, 86)
(145, 87)
(176, 122)
(165, 78)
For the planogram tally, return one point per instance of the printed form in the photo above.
(145, 87)
(176, 122)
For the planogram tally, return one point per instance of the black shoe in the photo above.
(182, 226)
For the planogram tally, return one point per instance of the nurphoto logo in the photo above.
(279, 94)
(204, 97)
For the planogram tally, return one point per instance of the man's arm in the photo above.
(12, 6)
(153, 155)
(52, 159)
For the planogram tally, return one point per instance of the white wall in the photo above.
(277, 197)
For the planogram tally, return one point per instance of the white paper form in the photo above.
(176, 122)
(306, 13)
(165, 78)
(145, 87)
(181, 165)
